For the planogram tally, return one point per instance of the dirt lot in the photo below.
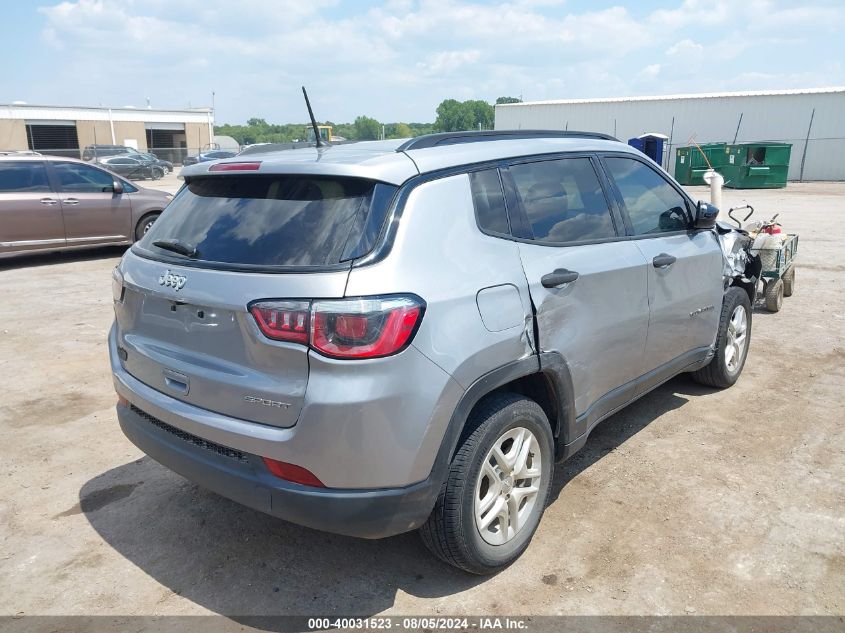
(690, 501)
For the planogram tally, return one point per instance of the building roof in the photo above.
(29, 111)
(701, 95)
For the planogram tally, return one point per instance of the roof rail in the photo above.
(476, 136)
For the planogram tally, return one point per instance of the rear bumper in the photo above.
(243, 478)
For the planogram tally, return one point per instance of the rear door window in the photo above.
(24, 177)
(79, 178)
(267, 221)
(563, 200)
(489, 201)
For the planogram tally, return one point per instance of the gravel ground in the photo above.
(689, 501)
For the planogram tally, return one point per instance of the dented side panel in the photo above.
(598, 322)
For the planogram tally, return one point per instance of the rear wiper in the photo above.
(177, 246)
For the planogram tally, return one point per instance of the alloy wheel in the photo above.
(508, 485)
(736, 338)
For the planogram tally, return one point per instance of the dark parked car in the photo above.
(165, 165)
(136, 167)
(100, 151)
(204, 157)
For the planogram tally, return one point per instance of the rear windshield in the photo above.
(290, 221)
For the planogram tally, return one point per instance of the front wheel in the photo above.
(497, 489)
(732, 341)
(145, 225)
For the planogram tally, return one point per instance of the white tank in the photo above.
(767, 246)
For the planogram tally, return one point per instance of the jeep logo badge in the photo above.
(177, 282)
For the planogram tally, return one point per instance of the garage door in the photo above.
(166, 140)
(53, 137)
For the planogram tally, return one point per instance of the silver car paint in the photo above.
(222, 352)
(440, 254)
(379, 160)
(599, 322)
(684, 312)
(375, 160)
(350, 417)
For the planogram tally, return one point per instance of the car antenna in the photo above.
(319, 141)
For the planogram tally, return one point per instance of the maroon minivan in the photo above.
(50, 203)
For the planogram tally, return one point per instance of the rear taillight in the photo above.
(283, 320)
(364, 328)
(117, 285)
(369, 327)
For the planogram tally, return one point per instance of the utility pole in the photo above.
(806, 143)
(738, 123)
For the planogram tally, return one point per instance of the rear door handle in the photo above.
(664, 260)
(70, 201)
(49, 201)
(558, 278)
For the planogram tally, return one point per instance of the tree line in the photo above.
(452, 116)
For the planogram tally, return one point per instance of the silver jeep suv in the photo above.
(387, 336)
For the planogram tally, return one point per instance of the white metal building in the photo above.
(812, 120)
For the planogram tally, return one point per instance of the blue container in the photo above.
(651, 145)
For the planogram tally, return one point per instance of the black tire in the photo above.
(144, 225)
(774, 295)
(789, 282)
(157, 173)
(717, 373)
(450, 532)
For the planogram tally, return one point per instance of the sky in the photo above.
(396, 60)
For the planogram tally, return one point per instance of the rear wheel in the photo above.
(774, 295)
(789, 282)
(732, 341)
(497, 489)
(145, 225)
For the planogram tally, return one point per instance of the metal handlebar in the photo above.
(745, 219)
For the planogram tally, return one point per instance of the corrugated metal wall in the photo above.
(709, 119)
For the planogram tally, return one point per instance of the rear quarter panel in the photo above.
(440, 254)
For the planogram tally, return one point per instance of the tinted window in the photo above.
(563, 200)
(274, 220)
(77, 178)
(489, 201)
(128, 187)
(653, 205)
(26, 177)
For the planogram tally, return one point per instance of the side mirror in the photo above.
(705, 215)
(117, 187)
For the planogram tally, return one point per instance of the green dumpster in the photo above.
(690, 163)
(756, 165)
